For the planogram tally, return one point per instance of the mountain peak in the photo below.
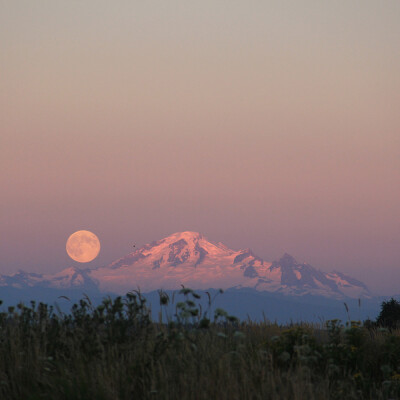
(287, 261)
(187, 235)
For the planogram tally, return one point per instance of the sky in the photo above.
(272, 125)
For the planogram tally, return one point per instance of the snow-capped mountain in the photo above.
(301, 279)
(68, 278)
(190, 259)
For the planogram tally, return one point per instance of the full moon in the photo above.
(83, 246)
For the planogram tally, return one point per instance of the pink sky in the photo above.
(274, 126)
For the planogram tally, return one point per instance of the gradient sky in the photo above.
(273, 125)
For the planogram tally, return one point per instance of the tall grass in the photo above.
(115, 351)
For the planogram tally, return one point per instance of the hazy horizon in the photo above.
(273, 126)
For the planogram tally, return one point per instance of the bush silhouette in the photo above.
(389, 316)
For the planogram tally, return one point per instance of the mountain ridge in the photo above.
(188, 258)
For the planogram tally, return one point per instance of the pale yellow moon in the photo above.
(83, 246)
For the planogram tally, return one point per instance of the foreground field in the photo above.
(115, 351)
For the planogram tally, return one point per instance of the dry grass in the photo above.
(115, 351)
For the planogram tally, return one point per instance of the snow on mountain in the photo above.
(66, 279)
(190, 259)
(349, 286)
(303, 279)
(70, 278)
(21, 280)
(184, 258)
